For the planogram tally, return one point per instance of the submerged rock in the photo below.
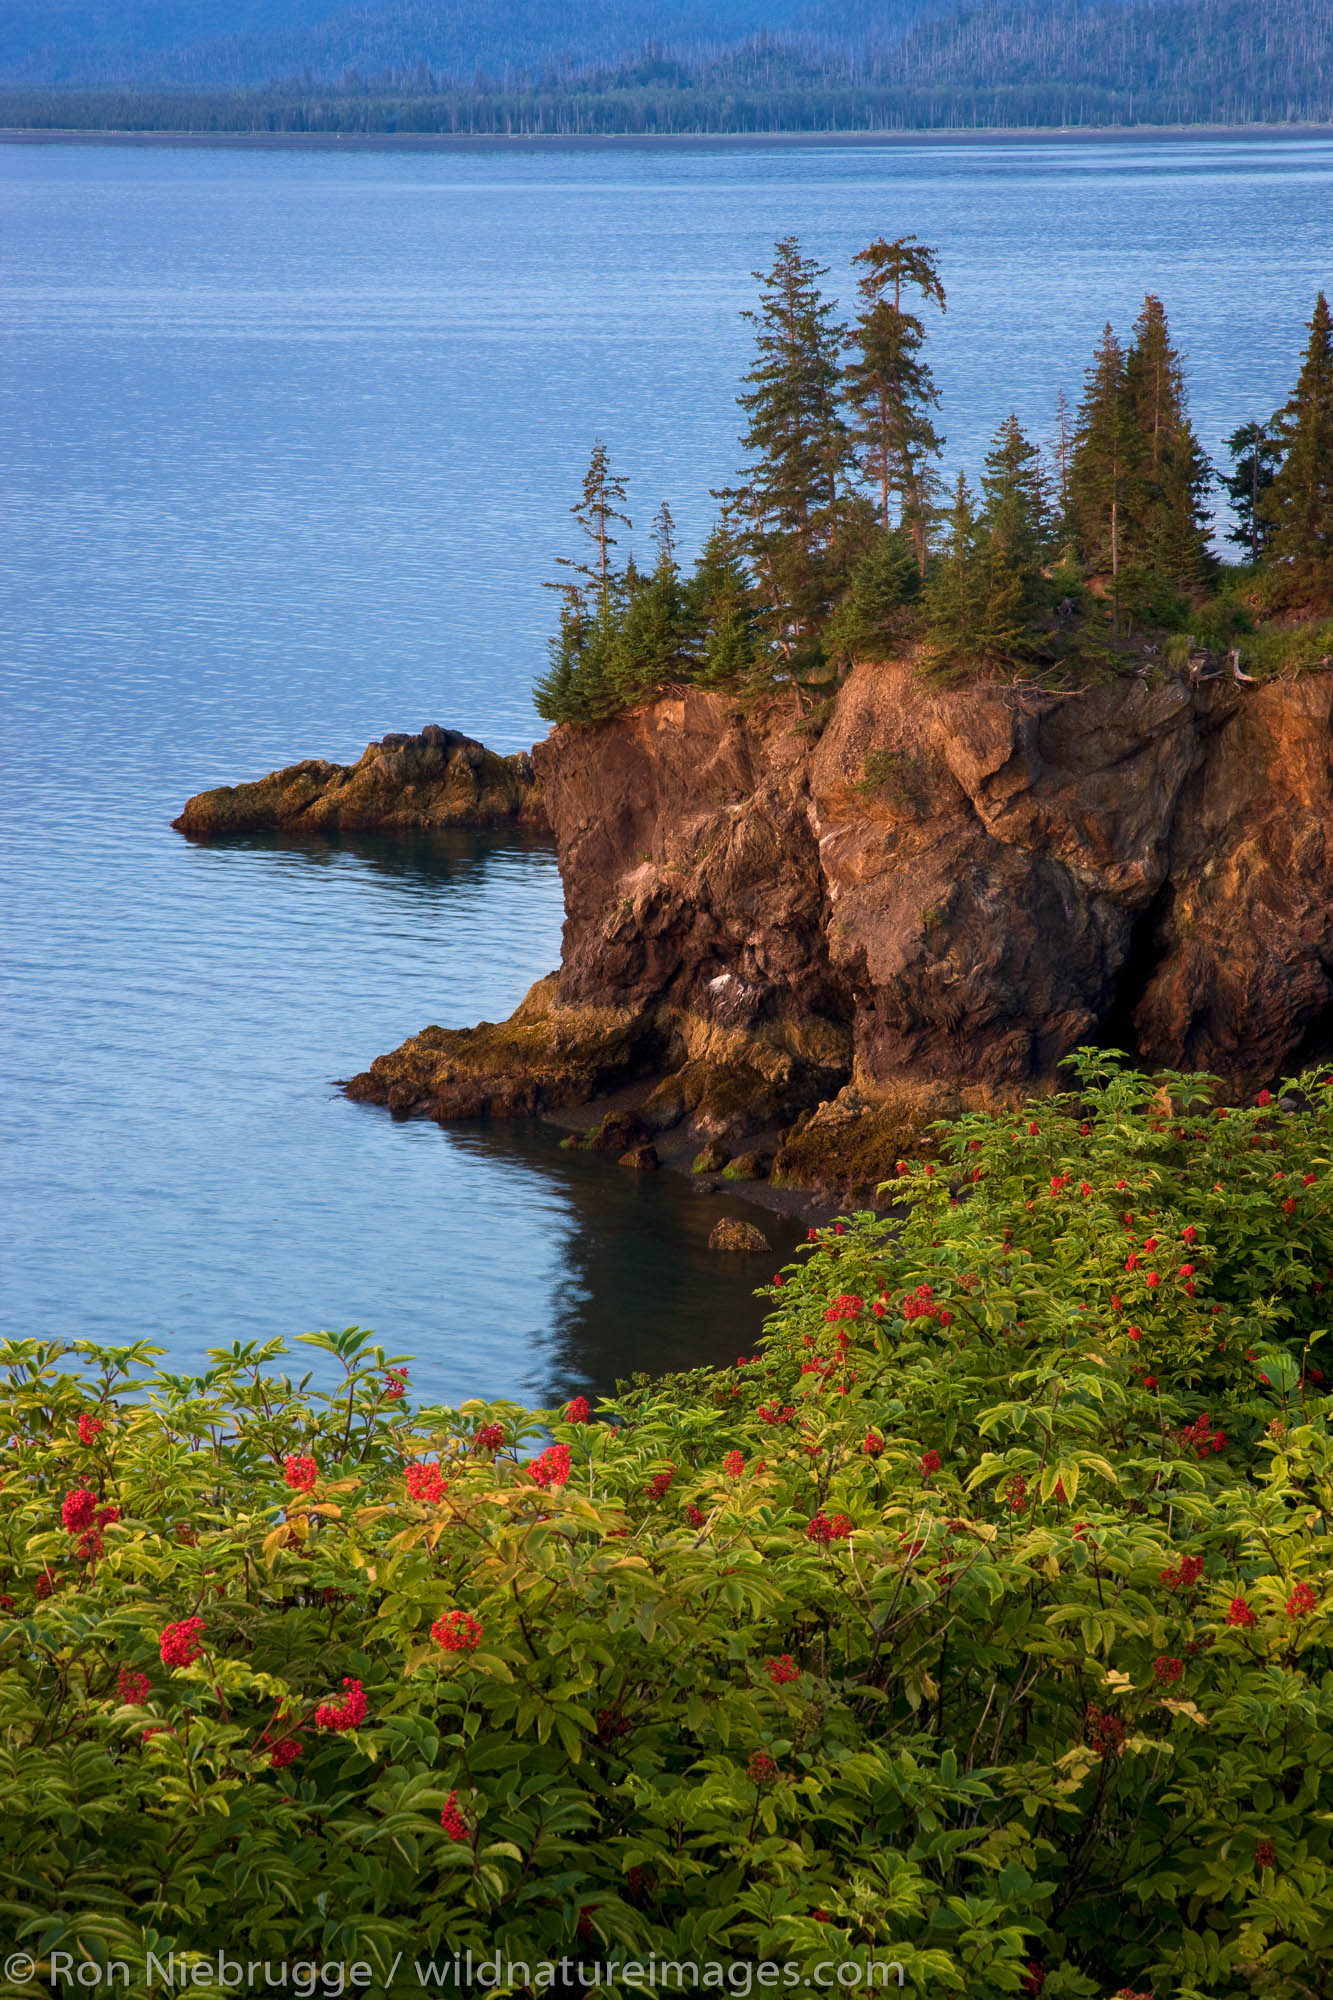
(730, 1234)
(438, 778)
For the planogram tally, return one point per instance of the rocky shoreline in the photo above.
(803, 937)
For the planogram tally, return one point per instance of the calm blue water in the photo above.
(288, 440)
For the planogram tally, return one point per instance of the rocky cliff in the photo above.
(923, 900)
(438, 778)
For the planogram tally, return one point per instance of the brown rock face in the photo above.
(438, 778)
(940, 892)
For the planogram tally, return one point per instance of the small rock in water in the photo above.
(729, 1234)
(642, 1157)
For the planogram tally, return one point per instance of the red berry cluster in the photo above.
(873, 1445)
(1186, 1576)
(395, 1383)
(284, 1752)
(552, 1467)
(88, 1428)
(451, 1819)
(426, 1482)
(579, 1411)
(770, 1413)
(1239, 1613)
(349, 1713)
(1106, 1732)
(845, 1306)
(1302, 1601)
(782, 1671)
(1200, 1437)
(660, 1484)
(300, 1472)
(179, 1644)
(1166, 1669)
(491, 1437)
(822, 1529)
(78, 1508)
(734, 1464)
(457, 1632)
(133, 1689)
(1014, 1493)
(761, 1768)
(920, 1304)
(930, 1462)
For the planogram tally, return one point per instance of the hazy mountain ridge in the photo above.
(241, 43)
(671, 66)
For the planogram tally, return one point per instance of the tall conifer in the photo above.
(890, 387)
(795, 498)
(1298, 506)
(1099, 466)
(1166, 529)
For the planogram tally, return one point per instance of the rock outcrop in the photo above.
(924, 901)
(438, 778)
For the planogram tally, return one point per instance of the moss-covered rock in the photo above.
(542, 1058)
(732, 1234)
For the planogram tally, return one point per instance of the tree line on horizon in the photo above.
(840, 541)
(1033, 65)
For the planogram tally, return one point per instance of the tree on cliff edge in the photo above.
(795, 499)
(890, 387)
(1298, 506)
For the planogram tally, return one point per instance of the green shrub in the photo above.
(979, 1623)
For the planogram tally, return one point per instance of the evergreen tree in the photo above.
(890, 387)
(875, 612)
(952, 594)
(1099, 466)
(1298, 506)
(794, 499)
(647, 647)
(1255, 454)
(721, 615)
(601, 503)
(1166, 525)
(1016, 529)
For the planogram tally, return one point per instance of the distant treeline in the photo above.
(1156, 62)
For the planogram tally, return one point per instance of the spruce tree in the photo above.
(1255, 455)
(952, 595)
(1100, 466)
(875, 612)
(794, 497)
(720, 612)
(647, 646)
(1298, 506)
(890, 387)
(602, 501)
(1166, 524)
(1016, 529)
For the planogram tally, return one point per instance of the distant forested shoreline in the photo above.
(1029, 67)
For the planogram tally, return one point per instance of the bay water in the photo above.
(288, 440)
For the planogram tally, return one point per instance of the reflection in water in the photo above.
(639, 1288)
(432, 860)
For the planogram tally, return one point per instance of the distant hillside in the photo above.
(236, 43)
(650, 66)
